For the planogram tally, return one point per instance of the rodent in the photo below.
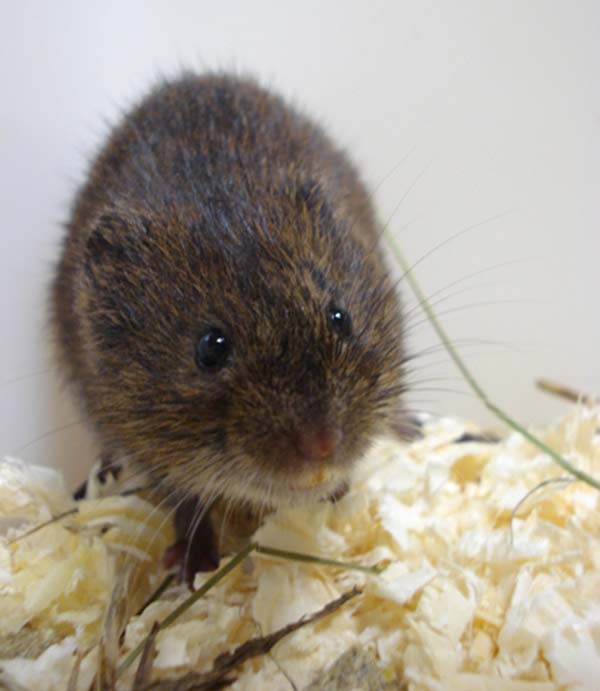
(221, 306)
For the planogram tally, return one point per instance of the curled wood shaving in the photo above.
(115, 621)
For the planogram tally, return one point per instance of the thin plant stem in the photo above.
(308, 558)
(52, 520)
(186, 604)
(534, 490)
(157, 593)
(472, 382)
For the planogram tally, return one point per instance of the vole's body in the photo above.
(216, 208)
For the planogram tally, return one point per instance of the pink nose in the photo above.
(318, 444)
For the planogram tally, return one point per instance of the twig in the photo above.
(157, 593)
(567, 392)
(74, 675)
(144, 670)
(226, 663)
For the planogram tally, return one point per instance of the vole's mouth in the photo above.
(317, 476)
(319, 484)
(298, 482)
(294, 489)
(287, 479)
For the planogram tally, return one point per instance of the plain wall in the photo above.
(481, 115)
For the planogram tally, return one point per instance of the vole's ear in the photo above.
(116, 238)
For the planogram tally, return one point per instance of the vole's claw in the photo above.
(339, 492)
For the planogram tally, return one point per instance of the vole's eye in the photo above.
(340, 321)
(212, 350)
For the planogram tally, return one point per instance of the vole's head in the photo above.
(250, 352)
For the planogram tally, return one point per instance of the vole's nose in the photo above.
(318, 443)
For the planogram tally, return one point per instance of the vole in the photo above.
(221, 305)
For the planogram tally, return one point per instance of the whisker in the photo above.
(30, 375)
(56, 430)
(461, 345)
(454, 236)
(458, 392)
(473, 305)
(371, 194)
(487, 269)
(411, 384)
(403, 198)
(415, 310)
(169, 515)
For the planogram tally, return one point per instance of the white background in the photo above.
(493, 107)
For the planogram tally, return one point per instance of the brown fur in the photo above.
(214, 203)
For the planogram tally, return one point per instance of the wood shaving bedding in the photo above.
(466, 603)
